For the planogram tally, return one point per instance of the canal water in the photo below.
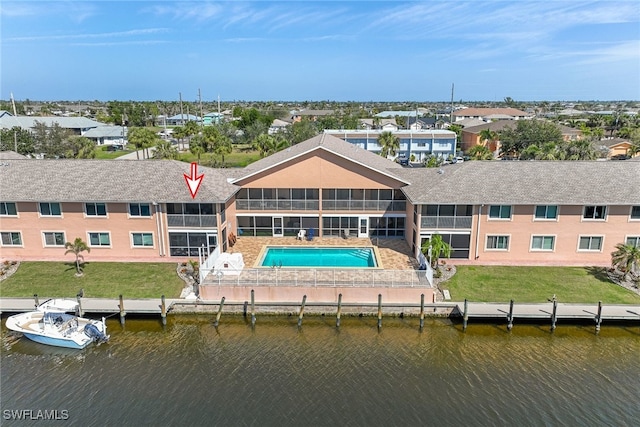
(190, 374)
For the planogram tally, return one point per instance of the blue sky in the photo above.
(329, 50)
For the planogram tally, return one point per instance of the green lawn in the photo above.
(101, 279)
(103, 154)
(237, 159)
(536, 284)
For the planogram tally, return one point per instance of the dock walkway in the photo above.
(542, 313)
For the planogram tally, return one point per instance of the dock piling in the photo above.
(421, 311)
(253, 309)
(465, 315)
(304, 300)
(379, 311)
(510, 316)
(599, 317)
(217, 322)
(339, 310)
(35, 297)
(163, 311)
(122, 312)
(80, 313)
(554, 314)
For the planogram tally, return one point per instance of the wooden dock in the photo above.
(549, 312)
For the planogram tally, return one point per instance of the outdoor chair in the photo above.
(301, 234)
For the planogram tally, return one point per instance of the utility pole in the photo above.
(181, 112)
(201, 112)
(451, 112)
(15, 134)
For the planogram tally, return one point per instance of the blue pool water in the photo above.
(319, 257)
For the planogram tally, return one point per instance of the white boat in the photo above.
(51, 324)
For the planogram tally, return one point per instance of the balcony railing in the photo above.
(179, 220)
(277, 205)
(446, 222)
(364, 205)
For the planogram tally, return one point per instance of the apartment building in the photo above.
(529, 213)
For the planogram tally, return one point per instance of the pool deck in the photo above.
(396, 279)
(395, 254)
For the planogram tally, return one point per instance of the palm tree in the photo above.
(390, 144)
(626, 258)
(197, 146)
(436, 247)
(165, 150)
(142, 138)
(77, 247)
(480, 152)
(489, 138)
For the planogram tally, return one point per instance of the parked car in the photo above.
(115, 147)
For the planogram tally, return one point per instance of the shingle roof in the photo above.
(108, 181)
(11, 155)
(331, 144)
(7, 122)
(105, 131)
(526, 182)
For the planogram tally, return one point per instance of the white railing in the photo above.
(423, 262)
(321, 277)
(207, 263)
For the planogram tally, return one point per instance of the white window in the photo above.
(95, 209)
(8, 209)
(635, 212)
(596, 212)
(542, 243)
(498, 243)
(142, 239)
(139, 209)
(634, 241)
(500, 212)
(99, 239)
(590, 243)
(50, 209)
(546, 212)
(11, 238)
(53, 238)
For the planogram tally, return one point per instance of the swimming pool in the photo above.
(283, 256)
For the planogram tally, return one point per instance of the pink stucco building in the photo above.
(495, 212)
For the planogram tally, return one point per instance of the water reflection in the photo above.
(191, 373)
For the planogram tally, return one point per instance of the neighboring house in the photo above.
(379, 124)
(11, 155)
(467, 123)
(182, 119)
(419, 144)
(421, 123)
(485, 113)
(616, 147)
(491, 213)
(310, 114)
(278, 126)
(78, 125)
(107, 135)
(212, 119)
(5, 113)
(471, 134)
(389, 114)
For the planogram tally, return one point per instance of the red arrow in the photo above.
(193, 181)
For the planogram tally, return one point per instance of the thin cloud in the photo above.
(128, 33)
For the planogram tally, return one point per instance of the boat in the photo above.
(52, 324)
